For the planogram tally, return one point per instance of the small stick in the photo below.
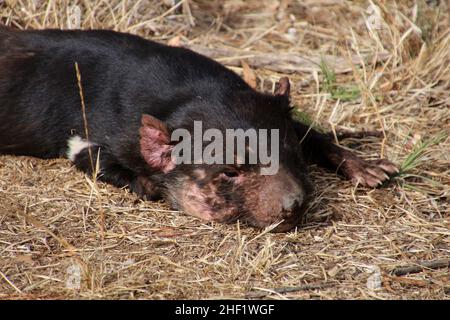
(340, 135)
(433, 264)
(281, 290)
(281, 62)
(408, 281)
(83, 109)
(10, 283)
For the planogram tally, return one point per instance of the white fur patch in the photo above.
(75, 146)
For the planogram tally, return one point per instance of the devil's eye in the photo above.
(229, 174)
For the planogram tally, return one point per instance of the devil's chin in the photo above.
(285, 225)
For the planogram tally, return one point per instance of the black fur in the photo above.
(124, 76)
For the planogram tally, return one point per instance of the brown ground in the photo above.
(56, 223)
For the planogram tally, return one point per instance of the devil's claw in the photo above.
(369, 173)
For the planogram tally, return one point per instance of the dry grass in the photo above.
(55, 221)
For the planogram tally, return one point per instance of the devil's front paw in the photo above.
(369, 173)
(144, 188)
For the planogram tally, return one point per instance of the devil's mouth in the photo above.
(287, 224)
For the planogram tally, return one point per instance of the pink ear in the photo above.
(154, 143)
(282, 87)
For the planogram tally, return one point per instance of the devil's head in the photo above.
(230, 158)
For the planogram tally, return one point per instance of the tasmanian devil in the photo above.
(136, 94)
